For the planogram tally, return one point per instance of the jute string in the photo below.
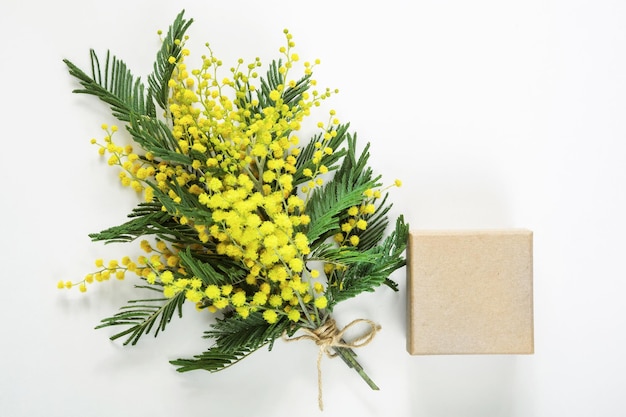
(327, 337)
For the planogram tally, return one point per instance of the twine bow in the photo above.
(327, 337)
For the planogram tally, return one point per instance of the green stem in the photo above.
(349, 357)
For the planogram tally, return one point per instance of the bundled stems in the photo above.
(331, 342)
(234, 210)
(349, 357)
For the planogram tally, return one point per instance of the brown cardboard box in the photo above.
(470, 292)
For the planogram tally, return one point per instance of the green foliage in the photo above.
(163, 68)
(147, 219)
(227, 271)
(235, 338)
(273, 80)
(383, 260)
(129, 99)
(115, 85)
(326, 207)
(141, 315)
(328, 204)
(127, 96)
(156, 137)
(330, 161)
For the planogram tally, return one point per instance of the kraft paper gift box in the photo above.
(470, 292)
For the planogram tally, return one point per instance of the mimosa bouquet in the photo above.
(237, 215)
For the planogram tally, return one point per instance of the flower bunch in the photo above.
(237, 215)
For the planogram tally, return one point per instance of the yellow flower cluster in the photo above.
(243, 154)
(161, 259)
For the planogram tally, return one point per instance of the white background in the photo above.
(494, 114)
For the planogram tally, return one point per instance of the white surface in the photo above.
(494, 114)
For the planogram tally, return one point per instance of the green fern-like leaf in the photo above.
(156, 137)
(293, 94)
(235, 338)
(377, 224)
(207, 272)
(343, 256)
(141, 315)
(325, 210)
(115, 85)
(329, 203)
(171, 47)
(147, 219)
(330, 161)
(367, 276)
(272, 81)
